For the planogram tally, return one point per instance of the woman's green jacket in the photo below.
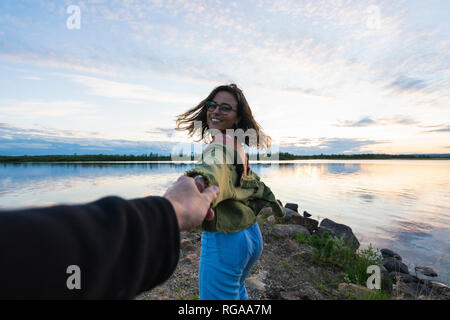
(241, 196)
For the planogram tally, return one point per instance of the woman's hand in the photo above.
(191, 206)
(201, 184)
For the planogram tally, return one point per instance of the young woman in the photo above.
(231, 239)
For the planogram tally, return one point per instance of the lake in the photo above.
(403, 205)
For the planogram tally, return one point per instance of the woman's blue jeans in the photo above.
(225, 262)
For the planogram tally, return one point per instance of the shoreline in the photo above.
(253, 158)
(275, 162)
(292, 268)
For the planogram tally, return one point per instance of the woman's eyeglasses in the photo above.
(224, 108)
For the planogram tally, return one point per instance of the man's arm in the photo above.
(121, 248)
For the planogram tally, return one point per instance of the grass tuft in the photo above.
(335, 251)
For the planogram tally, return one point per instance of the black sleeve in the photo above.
(122, 248)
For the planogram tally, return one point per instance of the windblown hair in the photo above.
(186, 120)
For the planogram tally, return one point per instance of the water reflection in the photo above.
(367, 197)
(317, 169)
(402, 205)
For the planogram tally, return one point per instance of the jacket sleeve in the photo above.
(121, 247)
(217, 167)
(276, 208)
(262, 197)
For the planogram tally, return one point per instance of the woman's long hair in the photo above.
(186, 120)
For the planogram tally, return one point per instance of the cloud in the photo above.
(368, 121)
(9, 130)
(440, 129)
(364, 122)
(307, 91)
(41, 141)
(165, 132)
(36, 108)
(403, 120)
(25, 141)
(30, 78)
(61, 61)
(359, 18)
(436, 128)
(408, 84)
(328, 146)
(308, 46)
(129, 91)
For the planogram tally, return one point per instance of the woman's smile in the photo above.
(219, 119)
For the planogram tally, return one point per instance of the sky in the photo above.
(327, 77)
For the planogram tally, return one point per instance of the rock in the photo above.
(425, 282)
(427, 271)
(274, 292)
(292, 206)
(439, 288)
(304, 251)
(271, 219)
(403, 277)
(184, 243)
(386, 253)
(290, 212)
(288, 215)
(187, 245)
(288, 230)
(392, 264)
(189, 248)
(383, 270)
(190, 258)
(293, 295)
(355, 289)
(255, 284)
(340, 231)
(410, 290)
(308, 223)
(262, 274)
(266, 211)
(292, 244)
(306, 214)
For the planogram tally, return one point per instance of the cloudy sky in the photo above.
(320, 76)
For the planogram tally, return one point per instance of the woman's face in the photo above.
(217, 119)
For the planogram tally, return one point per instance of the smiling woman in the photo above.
(231, 239)
(224, 108)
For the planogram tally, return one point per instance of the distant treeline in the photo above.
(157, 157)
(367, 156)
(86, 157)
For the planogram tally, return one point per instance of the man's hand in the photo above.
(191, 206)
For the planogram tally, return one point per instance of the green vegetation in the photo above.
(158, 157)
(334, 251)
(321, 286)
(376, 295)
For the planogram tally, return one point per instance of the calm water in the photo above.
(402, 205)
